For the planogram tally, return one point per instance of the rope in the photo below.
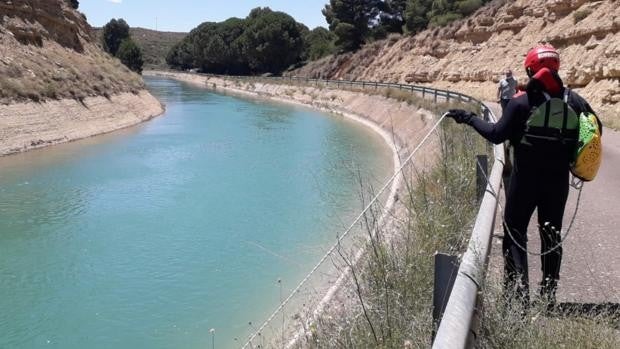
(577, 184)
(345, 233)
(568, 230)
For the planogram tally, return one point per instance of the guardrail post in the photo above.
(486, 116)
(446, 269)
(448, 96)
(482, 171)
(423, 92)
(435, 92)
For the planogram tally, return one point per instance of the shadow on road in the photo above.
(606, 310)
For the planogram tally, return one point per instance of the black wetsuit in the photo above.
(539, 179)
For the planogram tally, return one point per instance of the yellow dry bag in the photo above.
(589, 149)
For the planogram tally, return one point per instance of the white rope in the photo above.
(574, 184)
(345, 233)
(562, 239)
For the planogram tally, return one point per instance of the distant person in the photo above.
(507, 89)
(542, 125)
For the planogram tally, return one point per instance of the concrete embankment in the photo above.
(31, 125)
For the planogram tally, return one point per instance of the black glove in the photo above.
(460, 115)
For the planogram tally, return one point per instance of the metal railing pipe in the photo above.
(455, 327)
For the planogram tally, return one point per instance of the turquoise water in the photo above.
(151, 236)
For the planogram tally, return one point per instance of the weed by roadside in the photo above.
(391, 297)
(505, 323)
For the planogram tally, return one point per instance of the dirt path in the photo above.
(591, 261)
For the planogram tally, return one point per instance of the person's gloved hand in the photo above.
(460, 115)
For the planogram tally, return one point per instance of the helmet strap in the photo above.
(529, 72)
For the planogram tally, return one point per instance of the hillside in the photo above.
(154, 44)
(48, 53)
(56, 85)
(470, 55)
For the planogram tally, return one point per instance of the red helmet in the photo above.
(541, 56)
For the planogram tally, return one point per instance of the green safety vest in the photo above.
(554, 120)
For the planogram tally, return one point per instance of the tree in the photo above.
(130, 54)
(218, 48)
(113, 35)
(319, 43)
(354, 17)
(347, 37)
(271, 42)
(74, 4)
(416, 18)
(265, 41)
(181, 56)
(392, 16)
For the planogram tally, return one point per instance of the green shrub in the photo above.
(578, 16)
(131, 55)
(50, 90)
(443, 19)
(319, 42)
(468, 7)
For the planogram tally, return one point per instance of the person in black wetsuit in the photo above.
(540, 175)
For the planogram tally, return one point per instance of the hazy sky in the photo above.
(184, 15)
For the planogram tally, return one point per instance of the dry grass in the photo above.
(51, 72)
(506, 324)
(394, 282)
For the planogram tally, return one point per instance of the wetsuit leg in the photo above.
(551, 205)
(520, 204)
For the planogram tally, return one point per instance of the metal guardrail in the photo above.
(455, 328)
(447, 95)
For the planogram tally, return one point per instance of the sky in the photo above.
(184, 15)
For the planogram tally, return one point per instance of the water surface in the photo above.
(151, 236)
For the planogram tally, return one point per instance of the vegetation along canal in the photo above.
(154, 235)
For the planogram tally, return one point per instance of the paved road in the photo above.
(591, 264)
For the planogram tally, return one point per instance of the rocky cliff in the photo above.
(47, 52)
(470, 55)
(56, 85)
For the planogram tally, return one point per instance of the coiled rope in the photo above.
(577, 184)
